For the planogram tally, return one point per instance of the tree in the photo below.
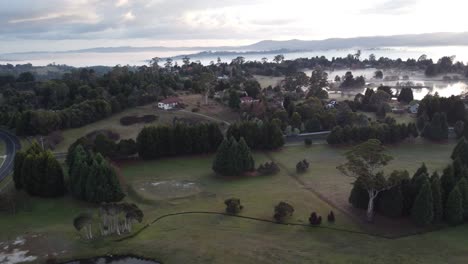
(406, 95)
(423, 209)
(84, 221)
(454, 207)
(296, 120)
(282, 211)
(463, 187)
(460, 151)
(378, 75)
(315, 219)
(365, 162)
(437, 198)
(302, 166)
(331, 217)
(391, 202)
(233, 158)
(459, 128)
(278, 58)
(437, 129)
(234, 100)
(233, 206)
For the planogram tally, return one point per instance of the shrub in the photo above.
(195, 110)
(308, 142)
(283, 210)
(454, 207)
(302, 166)
(233, 206)
(268, 168)
(315, 219)
(331, 217)
(131, 120)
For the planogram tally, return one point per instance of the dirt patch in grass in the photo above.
(166, 190)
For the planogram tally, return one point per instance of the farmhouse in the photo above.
(169, 103)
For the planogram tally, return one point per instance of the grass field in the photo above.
(113, 123)
(219, 239)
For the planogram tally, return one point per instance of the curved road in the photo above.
(12, 144)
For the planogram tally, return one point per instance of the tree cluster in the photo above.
(453, 108)
(282, 211)
(268, 168)
(112, 219)
(258, 135)
(91, 177)
(233, 158)
(437, 128)
(162, 141)
(38, 172)
(387, 133)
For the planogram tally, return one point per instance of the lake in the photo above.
(140, 58)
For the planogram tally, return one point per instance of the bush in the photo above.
(331, 217)
(131, 120)
(283, 210)
(268, 168)
(233, 206)
(315, 219)
(308, 142)
(302, 166)
(195, 110)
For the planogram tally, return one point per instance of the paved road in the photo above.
(12, 144)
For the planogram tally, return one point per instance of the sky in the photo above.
(57, 25)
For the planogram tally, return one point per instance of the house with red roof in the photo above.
(169, 103)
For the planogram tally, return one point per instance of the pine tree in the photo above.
(391, 202)
(454, 207)
(221, 161)
(421, 170)
(437, 198)
(18, 165)
(422, 212)
(447, 182)
(247, 161)
(463, 187)
(461, 151)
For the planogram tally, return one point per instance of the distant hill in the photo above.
(431, 39)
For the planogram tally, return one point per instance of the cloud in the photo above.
(129, 16)
(167, 20)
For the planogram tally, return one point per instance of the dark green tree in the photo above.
(422, 213)
(437, 198)
(454, 207)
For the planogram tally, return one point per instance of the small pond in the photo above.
(113, 260)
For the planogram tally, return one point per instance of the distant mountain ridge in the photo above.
(429, 39)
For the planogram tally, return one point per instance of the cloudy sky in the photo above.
(31, 25)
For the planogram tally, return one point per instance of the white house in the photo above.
(169, 103)
(247, 100)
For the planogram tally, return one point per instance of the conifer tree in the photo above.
(247, 161)
(454, 207)
(463, 187)
(437, 198)
(422, 212)
(461, 151)
(221, 161)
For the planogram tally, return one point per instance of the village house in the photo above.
(169, 103)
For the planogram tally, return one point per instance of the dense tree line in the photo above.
(453, 108)
(233, 158)
(437, 128)
(91, 177)
(38, 172)
(163, 141)
(258, 135)
(426, 199)
(387, 133)
(43, 122)
(106, 146)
